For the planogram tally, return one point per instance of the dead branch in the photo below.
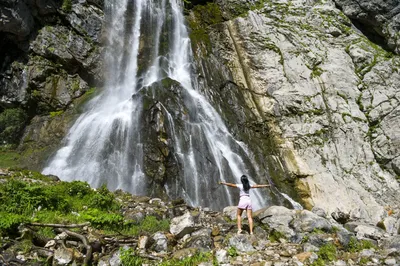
(147, 256)
(84, 241)
(60, 225)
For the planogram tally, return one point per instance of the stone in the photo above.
(241, 243)
(63, 256)
(389, 225)
(319, 211)
(278, 218)
(306, 221)
(160, 242)
(183, 225)
(221, 256)
(340, 217)
(303, 256)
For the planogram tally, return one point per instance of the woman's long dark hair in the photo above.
(245, 182)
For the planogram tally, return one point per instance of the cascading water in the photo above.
(148, 60)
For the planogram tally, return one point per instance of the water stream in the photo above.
(148, 42)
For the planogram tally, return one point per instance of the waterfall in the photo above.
(149, 58)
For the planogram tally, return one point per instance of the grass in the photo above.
(38, 199)
(9, 159)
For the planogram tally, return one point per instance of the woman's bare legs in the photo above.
(250, 218)
(239, 219)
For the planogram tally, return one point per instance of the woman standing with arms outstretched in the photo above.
(245, 201)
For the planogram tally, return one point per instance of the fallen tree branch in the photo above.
(147, 256)
(60, 225)
(84, 241)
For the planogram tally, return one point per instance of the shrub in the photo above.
(9, 223)
(67, 5)
(327, 252)
(103, 199)
(129, 257)
(12, 122)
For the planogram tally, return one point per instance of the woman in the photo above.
(245, 201)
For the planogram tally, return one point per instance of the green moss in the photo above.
(56, 113)
(54, 202)
(203, 17)
(343, 96)
(316, 72)
(67, 6)
(75, 85)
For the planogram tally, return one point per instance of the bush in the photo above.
(9, 223)
(56, 202)
(129, 258)
(12, 122)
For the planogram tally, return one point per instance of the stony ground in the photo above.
(157, 232)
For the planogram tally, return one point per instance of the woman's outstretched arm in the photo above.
(259, 186)
(227, 184)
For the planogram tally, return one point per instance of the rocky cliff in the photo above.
(310, 86)
(327, 94)
(51, 57)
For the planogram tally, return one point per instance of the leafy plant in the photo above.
(12, 122)
(232, 251)
(9, 222)
(103, 219)
(67, 6)
(327, 252)
(356, 246)
(129, 257)
(150, 224)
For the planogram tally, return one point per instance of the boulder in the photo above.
(183, 225)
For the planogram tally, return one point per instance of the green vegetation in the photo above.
(150, 224)
(204, 16)
(67, 6)
(232, 252)
(325, 254)
(276, 235)
(316, 72)
(56, 113)
(130, 258)
(356, 246)
(12, 122)
(38, 199)
(196, 259)
(9, 157)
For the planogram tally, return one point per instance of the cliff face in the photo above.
(51, 57)
(315, 100)
(327, 94)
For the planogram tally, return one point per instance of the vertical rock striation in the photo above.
(327, 94)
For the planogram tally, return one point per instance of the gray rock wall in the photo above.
(51, 56)
(376, 17)
(327, 93)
